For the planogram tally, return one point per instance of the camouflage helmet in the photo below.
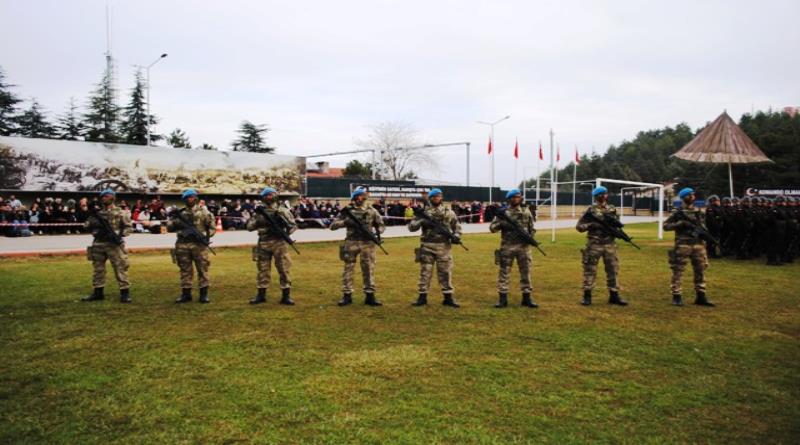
(736, 200)
(726, 200)
(747, 200)
(779, 199)
(712, 198)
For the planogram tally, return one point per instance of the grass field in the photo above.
(154, 372)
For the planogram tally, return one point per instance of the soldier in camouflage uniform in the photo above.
(792, 230)
(689, 246)
(103, 248)
(271, 246)
(435, 248)
(600, 245)
(512, 248)
(189, 252)
(356, 244)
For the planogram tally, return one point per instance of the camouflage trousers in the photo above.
(439, 253)
(679, 256)
(189, 256)
(504, 257)
(263, 254)
(98, 254)
(349, 252)
(592, 254)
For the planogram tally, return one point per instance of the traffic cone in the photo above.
(219, 225)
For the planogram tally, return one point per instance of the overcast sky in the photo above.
(318, 73)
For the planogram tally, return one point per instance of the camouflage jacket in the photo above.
(684, 233)
(118, 219)
(522, 216)
(265, 230)
(441, 214)
(595, 232)
(203, 221)
(366, 214)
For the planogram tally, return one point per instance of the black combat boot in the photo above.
(286, 297)
(204, 295)
(186, 295)
(701, 300)
(422, 300)
(347, 299)
(96, 296)
(587, 298)
(677, 300)
(527, 301)
(613, 298)
(125, 296)
(449, 301)
(261, 297)
(370, 300)
(502, 300)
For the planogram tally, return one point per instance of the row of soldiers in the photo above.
(752, 227)
(440, 230)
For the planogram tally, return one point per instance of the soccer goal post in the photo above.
(659, 187)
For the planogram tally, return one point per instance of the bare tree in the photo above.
(392, 141)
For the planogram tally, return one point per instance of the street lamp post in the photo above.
(491, 138)
(149, 123)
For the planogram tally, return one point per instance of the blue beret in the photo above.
(188, 192)
(434, 192)
(108, 192)
(267, 191)
(512, 193)
(599, 190)
(357, 192)
(684, 192)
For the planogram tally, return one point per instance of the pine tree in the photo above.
(69, 125)
(103, 115)
(32, 123)
(251, 138)
(135, 118)
(178, 139)
(8, 106)
(207, 146)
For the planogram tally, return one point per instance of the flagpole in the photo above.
(574, 180)
(491, 189)
(538, 171)
(552, 190)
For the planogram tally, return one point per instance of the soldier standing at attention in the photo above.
(190, 252)
(512, 248)
(271, 246)
(435, 248)
(688, 246)
(600, 244)
(104, 247)
(714, 220)
(357, 244)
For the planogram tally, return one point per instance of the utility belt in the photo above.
(357, 237)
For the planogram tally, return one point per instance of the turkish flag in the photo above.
(577, 157)
(490, 145)
(541, 153)
(516, 150)
(558, 153)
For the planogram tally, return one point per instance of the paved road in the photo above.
(67, 244)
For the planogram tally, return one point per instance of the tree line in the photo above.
(101, 119)
(648, 158)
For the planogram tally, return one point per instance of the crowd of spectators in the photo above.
(65, 216)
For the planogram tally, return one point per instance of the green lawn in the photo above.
(154, 372)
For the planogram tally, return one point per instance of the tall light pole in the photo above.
(491, 138)
(148, 95)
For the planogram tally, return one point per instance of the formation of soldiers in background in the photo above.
(746, 229)
(754, 227)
